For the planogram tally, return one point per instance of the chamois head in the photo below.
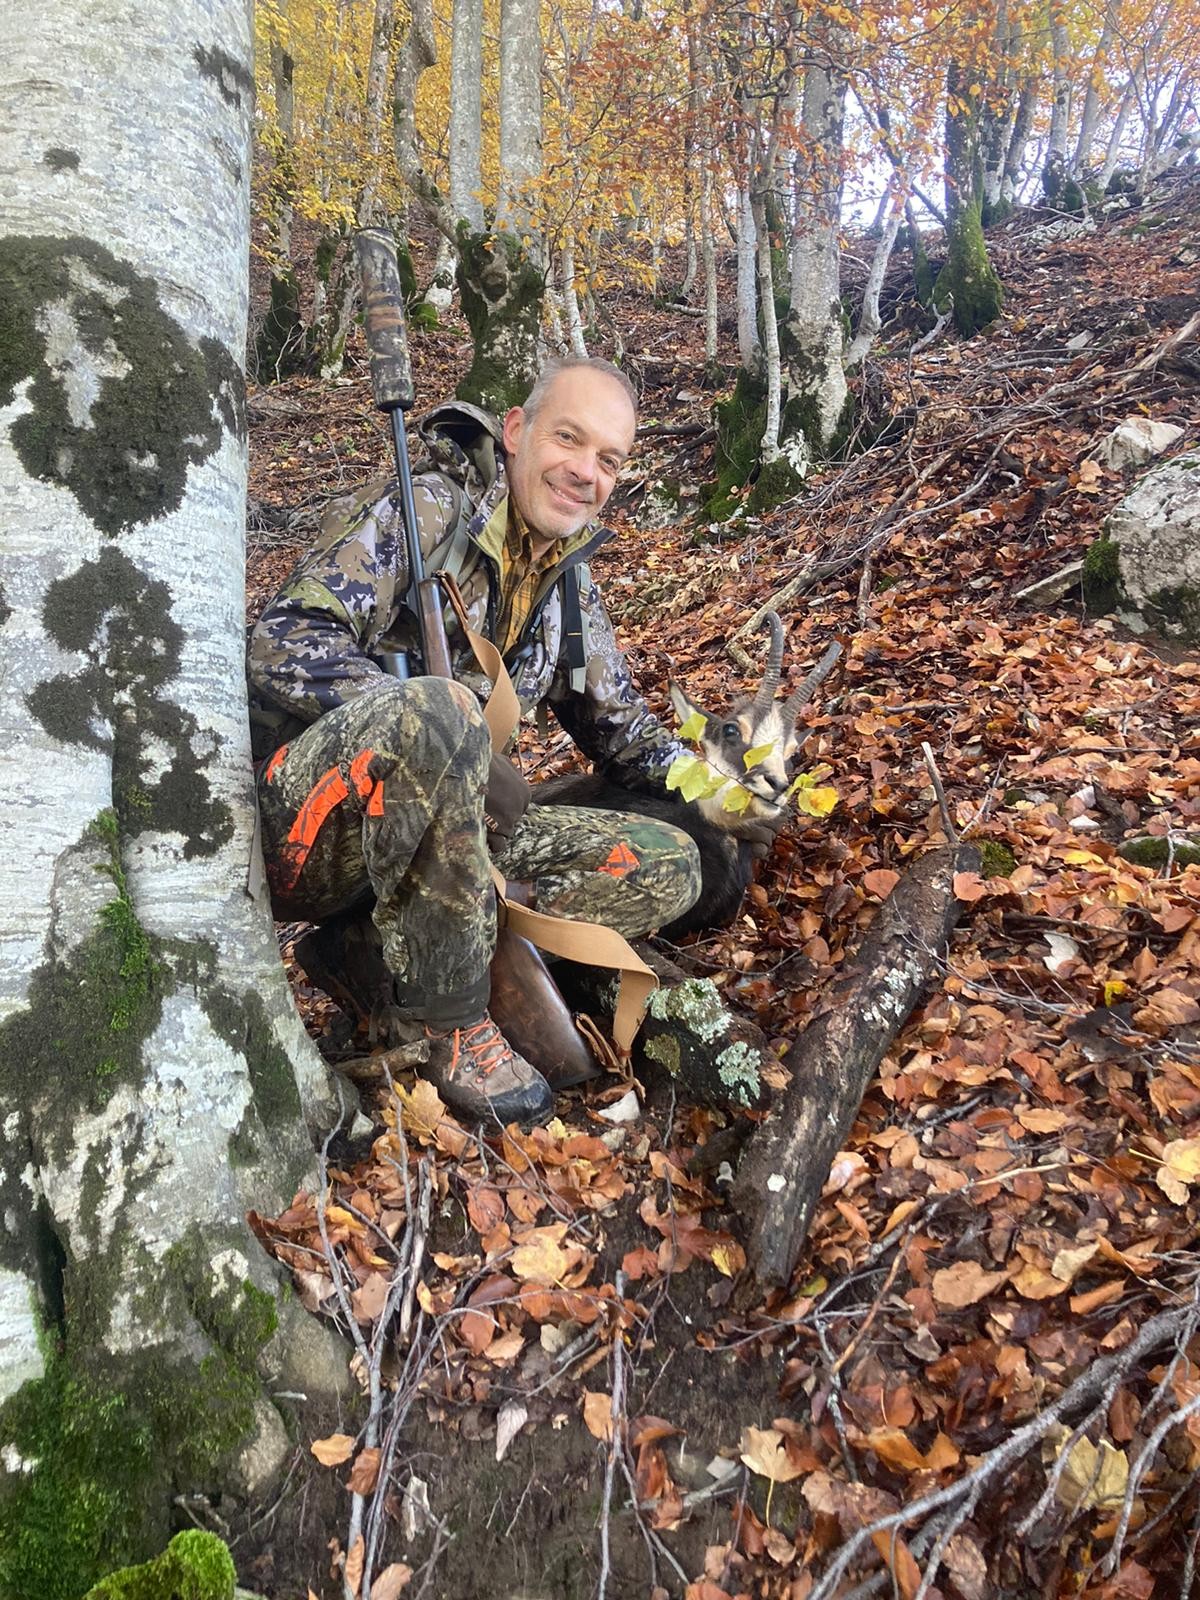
(757, 723)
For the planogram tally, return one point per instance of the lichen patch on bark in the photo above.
(119, 620)
(117, 403)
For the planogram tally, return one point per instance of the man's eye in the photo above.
(610, 465)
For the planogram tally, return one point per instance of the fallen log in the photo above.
(834, 1059)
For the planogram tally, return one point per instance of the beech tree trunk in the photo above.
(279, 349)
(154, 1075)
(814, 346)
(968, 278)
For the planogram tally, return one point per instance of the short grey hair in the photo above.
(557, 364)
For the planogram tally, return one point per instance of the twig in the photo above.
(616, 1414)
(935, 778)
(934, 332)
(1158, 1331)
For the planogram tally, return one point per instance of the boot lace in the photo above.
(481, 1047)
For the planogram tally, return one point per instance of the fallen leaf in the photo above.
(354, 1564)
(391, 1581)
(964, 1284)
(510, 1419)
(1180, 1167)
(881, 882)
(764, 1450)
(1093, 1475)
(540, 1257)
(1068, 1264)
(895, 1449)
(367, 1301)
(333, 1451)
(900, 1561)
(969, 887)
(597, 1414)
(364, 1474)
(1036, 1119)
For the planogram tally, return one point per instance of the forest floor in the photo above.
(566, 1402)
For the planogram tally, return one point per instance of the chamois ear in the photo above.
(684, 708)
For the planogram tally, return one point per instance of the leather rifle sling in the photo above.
(591, 943)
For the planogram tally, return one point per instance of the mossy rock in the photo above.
(194, 1566)
(1151, 850)
(996, 859)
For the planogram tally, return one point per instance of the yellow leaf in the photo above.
(725, 1259)
(1180, 1167)
(693, 728)
(540, 1257)
(1093, 1476)
(1113, 990)
(737, 799)
(692, 777)
(754, 757)
(764, 1450)
(333, 1451)
(597, 1415)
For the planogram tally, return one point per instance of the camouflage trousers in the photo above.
(380, 803)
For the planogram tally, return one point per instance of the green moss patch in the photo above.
(968, 275)
(501, 289)
(997, 860)
(1152, 851)
(1102, 590)
(122, 403)
(194, 1566)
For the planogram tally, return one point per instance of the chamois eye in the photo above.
(731, 731)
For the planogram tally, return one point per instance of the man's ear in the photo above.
(514, 426)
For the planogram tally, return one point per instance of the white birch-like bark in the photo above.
(869, 321)
(770, 340)
(1060, 108)
(1090, 114)
(708, 255)
(815, 364)
(1112, 155)
(571, 298)
(137, 700)
(749, 349)
(520, 115)
(466, 112)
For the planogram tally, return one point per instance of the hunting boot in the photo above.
(479, 1075)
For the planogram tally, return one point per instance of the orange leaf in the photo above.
(391, 1581)
(597, 1414)
(333, 1451)
(881, 882)
(964, 1284)
(364, 1474)
(354, 1564)
(895, 1449)
(969, 887)
(899, 1559)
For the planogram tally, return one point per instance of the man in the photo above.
(373, 789)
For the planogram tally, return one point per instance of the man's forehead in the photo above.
(590, 399)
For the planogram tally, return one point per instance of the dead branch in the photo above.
(834, 1059)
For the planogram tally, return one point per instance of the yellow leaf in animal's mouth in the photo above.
(737, 799)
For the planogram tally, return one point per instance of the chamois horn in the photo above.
(801, 696)
(769, 686)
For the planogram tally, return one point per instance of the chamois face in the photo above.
(726, 741)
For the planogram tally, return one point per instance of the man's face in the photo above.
(563, 462)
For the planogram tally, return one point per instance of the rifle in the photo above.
(392, 388)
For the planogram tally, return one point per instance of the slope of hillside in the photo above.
(964, 1390)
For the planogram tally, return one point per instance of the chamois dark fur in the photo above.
(726, 861)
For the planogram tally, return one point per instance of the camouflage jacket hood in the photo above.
(317, 643)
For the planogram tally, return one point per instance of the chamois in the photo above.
(758, 720)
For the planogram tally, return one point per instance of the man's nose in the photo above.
(582, 467)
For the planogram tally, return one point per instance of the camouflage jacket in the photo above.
(318, 642)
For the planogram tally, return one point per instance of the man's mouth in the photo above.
(570, 501)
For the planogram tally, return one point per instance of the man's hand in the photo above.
(506, 800)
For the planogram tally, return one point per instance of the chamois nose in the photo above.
(776, 785)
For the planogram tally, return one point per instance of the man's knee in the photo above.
(681, 873)
(438, 704)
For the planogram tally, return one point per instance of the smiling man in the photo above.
(381, 800)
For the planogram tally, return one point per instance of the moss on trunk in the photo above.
(968, 274)
(279, 350)
(502, 290)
